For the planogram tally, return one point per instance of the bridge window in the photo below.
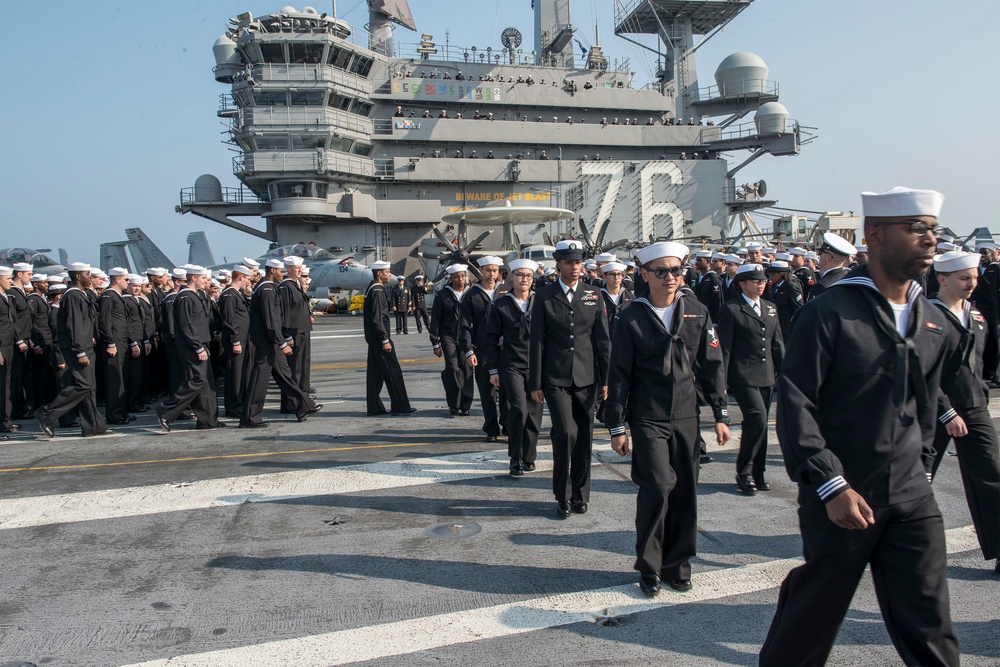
(339, 57)
(312, 98)
(300, 142)
(361, 148)
(360, 65)
(270, 98)
(272, 53)
(341, 144)
(338, 101)
(310, 54)
(361, 108)
(277, 142)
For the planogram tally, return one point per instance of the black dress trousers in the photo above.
(754, 402)
(268, 362)
(665, 458)
(572, 413)
(979, 463)
(197, 391)
(907, 553)
(77, 393)
(115, 397)
(457, 376)
(237, 372)
(524, 416)
(383, 369)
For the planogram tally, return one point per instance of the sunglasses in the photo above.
(919, 227)
(662, 272)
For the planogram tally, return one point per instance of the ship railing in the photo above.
(451, 58)
(739, 89)
(749, 129)
(382, 126)
(309, 73)
(227, 105)
(240, 195)
(316, 116)
(320, 161)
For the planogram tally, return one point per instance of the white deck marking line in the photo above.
(421, 634)
(153, 499)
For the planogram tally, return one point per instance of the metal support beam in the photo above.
(759, 152)
(269, 233)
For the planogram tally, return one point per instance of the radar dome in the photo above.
(309, 10)
(287, 9)
(207, 188)
(225, 51)
(771, 118)
(741, 73)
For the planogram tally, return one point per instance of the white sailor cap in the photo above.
(489, 260)
(6, 271)
(225, 273)
(97, 273)
(56, 288)
(778, 265)
(60, 276)
(590, 265)
(768, 250)
(516, 264)
(754, 246)
(117, 271)
(401, 279)
(156, 271)
(293, 260)
(741, 251)
(418, 277)
(661, 249)
(902, 201)
(783, 256)
(569, 249)
(252, 263)
(704, 253)
(243, 270)
(944, 246)
(179, 273)
(274, 263)
(947, 238)
(811, 255)
(797, 251)
(39, 278)
(104, 284)
(955, 260)
(750, 272)
(985, 245)
(860, 248)
(720, 256)
(550, 271)
(134, 279)
(186, 266)
(606, 257)
(216, 283)
(837, 244)
(379, 265)
(195, 270)
(734, 259)
(457, 268)
(21, 266)
(305, 270)
(613, 266)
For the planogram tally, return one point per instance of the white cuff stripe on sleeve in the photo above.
(831, 487)
(617, 430)
(948, 416)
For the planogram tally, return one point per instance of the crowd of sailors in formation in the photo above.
(75, 342)
(509, 115)
(640, 344)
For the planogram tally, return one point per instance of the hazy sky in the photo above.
(108, 108)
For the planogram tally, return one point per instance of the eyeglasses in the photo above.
(524, 276)
(662, 272)
(919, 227)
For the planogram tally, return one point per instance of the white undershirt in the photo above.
(962, 316)
(523, 305)
(666, 314)
(902, 313)
(615, 298)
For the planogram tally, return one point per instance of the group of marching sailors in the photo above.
(76, 342)
(872, 380)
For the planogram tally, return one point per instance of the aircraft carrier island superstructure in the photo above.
(347, 140)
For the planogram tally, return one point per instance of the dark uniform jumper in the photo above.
(235, 313)
(41, 351)
(506, 343)
(475, 309)
(711, 293)
(112, 329)
(197, 388)
(986, 297)
(295, 326)
(268, 358)
(400, 304)
(7, 339)
(383, 367)
(457, 375)
(75, 334)
(978, 457)
(856, 409)
(650, 385)
(418, 299)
